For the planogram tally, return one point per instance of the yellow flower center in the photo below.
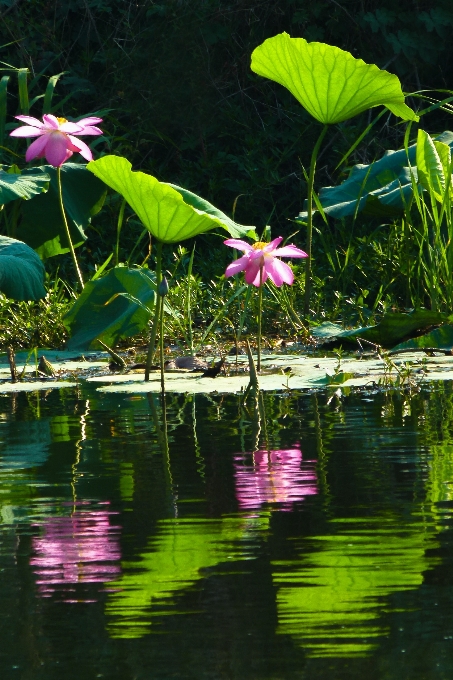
(62, 120)
(259, 245)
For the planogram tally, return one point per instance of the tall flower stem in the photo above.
(68, 235)
(161, 342)
(118, 231)
(311, 179)
(157, 312)
(260, 314)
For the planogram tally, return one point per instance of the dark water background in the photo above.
(313, 542)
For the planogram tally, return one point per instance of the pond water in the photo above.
(310, 539)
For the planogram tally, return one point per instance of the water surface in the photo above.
(310, 538)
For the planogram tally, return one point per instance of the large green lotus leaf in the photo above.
(91, 318)
(41, 225)
(21, 271)
(170, 213)
(236, 230)
(25, 184)
(330, 83)
(382, 188)
(393, 328)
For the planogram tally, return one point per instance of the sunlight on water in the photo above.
(328, 558)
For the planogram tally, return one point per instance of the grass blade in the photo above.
(3, 96)
(22, 79)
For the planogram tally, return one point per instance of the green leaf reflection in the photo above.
(331, 600)
(177, 558)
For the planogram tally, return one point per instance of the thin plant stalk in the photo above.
(118, 231)
(260, 313)
(188, 302)
(311, 179)
(161, 348)
(157, 312)
(68, 235)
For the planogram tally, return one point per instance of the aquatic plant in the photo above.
(332, 86)
(260, 262)
(170, 213)
(56, 137)
(57, 142)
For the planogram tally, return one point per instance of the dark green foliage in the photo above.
(99, 314)
(15, 184)
(41, 224)
(390, 330)
(183, 102)
(21, 271)
(441, 338)
(381, 189)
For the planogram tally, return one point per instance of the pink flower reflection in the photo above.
(82, 548)
(273, 477)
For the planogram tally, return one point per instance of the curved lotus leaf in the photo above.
(392, 328)
(95, 315)
(171, 214)
(382, 188)
(236, 230)
(25, 184)
(21, 271)
(330, 83)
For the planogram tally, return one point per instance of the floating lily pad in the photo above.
(35, 385)
(307, 373)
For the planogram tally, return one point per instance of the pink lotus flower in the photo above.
(57, 137)
(265, 255)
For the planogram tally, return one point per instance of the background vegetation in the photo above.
(173, 82)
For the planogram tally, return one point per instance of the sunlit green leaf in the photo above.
(330, 83)
(235, 230)
(444, 153)
(170, 213)
(21, 271)
(429, 165)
